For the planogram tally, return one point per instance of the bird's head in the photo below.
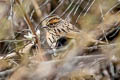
(50, 21)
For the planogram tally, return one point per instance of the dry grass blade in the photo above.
(32, 29)
(37, 9)
(67, 8)
(110, 22)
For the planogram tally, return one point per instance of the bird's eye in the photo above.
(61, 42)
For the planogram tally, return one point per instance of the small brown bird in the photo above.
(56, 28)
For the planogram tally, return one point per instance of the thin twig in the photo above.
(14, 40)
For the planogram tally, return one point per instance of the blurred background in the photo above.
(87, 15)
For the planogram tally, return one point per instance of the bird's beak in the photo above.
(44, 27)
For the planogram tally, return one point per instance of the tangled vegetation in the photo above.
(92, 54)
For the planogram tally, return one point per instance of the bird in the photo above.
(63, 37)
(56, 28)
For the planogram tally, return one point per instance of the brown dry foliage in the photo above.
(87, 56)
